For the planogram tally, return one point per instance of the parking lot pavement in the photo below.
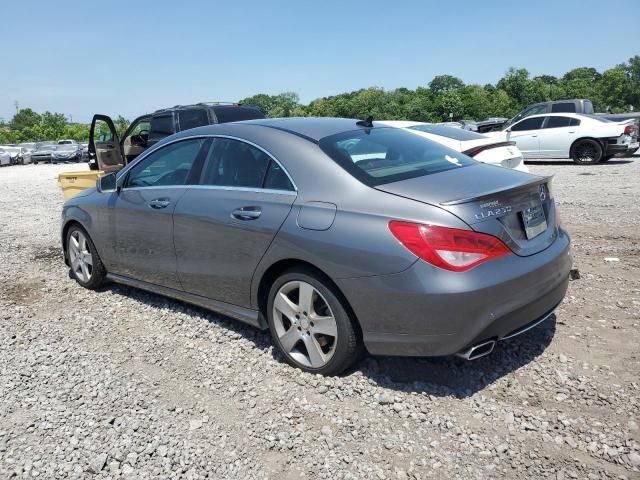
(124, 384)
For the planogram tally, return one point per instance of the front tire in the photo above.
(86, 267)
(586, 152)
(310, 323)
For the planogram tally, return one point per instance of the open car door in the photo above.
(104, 144)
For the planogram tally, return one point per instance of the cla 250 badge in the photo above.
(493, 212)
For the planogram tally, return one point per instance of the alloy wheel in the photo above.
(80, 256)
(586, 152)
(305, 325)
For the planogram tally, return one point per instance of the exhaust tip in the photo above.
(477, 351)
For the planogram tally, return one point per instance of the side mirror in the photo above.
(107, 183)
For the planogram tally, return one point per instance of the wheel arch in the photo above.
(276, 269)
(577, 140)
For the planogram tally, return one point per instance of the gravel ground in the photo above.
(125, 384)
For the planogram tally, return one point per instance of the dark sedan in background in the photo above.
(68, 152)
(338, 235)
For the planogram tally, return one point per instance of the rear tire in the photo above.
(586, 152)
(311, 324)
(85, 264)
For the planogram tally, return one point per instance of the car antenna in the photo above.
(368, 123)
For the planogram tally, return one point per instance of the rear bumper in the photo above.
(426, 311)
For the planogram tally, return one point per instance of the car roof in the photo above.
(557, 114)
(311, 128)
(399, 123)
(214, 106)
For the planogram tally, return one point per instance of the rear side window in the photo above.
(192, 118)
(384, 155)
(528, 124)
(558, 122)
(276, 178)
(161, 127)
(568, 107)
(232, 163)
(588, 107)
(574, 122)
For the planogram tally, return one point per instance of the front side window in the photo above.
(384, 155)
(232, 163)
(528, 124)
(558, 122)
(169, 165)
(192, 118)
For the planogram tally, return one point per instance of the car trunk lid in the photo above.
(513, 206)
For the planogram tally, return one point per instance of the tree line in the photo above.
(445, 97)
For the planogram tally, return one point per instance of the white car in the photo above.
(479, 147)
(587, 139)
(5, 157)
(16, 153)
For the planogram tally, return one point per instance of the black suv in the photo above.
(110, 153)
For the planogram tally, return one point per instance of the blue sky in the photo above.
(82, 57)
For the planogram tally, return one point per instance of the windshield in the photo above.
(449, 132)
(45, 146)
(383, 155)
(66, 147)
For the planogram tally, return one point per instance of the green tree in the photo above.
(449, 106)
(445, 83)
(121, 125)
(632, 69)
(52, 125)
(262, 101)
(614, 87)
(24, 118)
(519, 87)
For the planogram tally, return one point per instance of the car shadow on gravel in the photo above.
(454, 376)
(261, 339)
(438, 376)
(620, 161)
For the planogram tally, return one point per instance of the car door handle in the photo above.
(159, 203)
(572, 132)
(534, 136)
(246, 213)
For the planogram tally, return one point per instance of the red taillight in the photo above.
(448, 248)
(629, 130)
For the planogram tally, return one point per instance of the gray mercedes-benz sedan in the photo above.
(338, 235)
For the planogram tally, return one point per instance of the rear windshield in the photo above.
(599, 118)
(383, 155)
(449, 132)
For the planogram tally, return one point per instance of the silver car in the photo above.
(5, 157)
(338, 235)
